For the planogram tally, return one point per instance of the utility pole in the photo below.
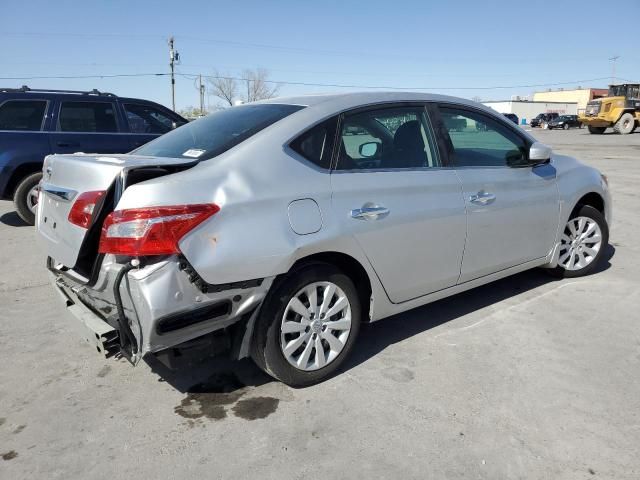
(174, 57)
(613, 68)
(201, 95)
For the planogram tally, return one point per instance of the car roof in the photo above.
(351, 99)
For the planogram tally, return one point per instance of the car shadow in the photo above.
(13, 220)
(192, 372)
(377, 336)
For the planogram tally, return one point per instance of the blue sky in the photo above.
(453, 47)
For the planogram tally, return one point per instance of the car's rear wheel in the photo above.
(597, 130)
(307, 325)
(25, 197)
(625, 125)
(582, 243)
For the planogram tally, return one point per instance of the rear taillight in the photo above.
(152, 230)
(82, 210)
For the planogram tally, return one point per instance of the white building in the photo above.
(526, 110)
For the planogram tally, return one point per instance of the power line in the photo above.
(309, 84)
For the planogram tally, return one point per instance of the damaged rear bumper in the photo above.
(164, 305)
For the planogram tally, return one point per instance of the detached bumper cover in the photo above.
(163, 307)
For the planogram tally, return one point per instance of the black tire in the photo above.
(625, 124)
(266, 350)
(585, 211)
(597, 130)
(580, 125)
(21, 197)
(566, 126)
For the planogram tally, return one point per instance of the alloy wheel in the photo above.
(32, 198)
(315, 326)
(580, 243)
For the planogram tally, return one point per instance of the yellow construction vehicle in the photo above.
(620, 109)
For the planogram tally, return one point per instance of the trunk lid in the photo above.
(65, 177)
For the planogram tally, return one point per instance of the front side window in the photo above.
(316, 145)
(26, 115)
(87, 117)
(386, 139)
(216, 133)
(477, 140)
(147, 119)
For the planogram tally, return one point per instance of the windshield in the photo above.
(216, 133)
(617, 90)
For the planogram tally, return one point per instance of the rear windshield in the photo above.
(216, 133)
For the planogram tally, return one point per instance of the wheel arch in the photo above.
(350, 266)
(22, 171)
(592, 199)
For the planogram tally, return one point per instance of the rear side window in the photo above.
(24, 115)
(316, 144)
(216, 133)
(87, 117)
(147, 119)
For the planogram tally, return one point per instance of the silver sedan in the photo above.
(288, 223)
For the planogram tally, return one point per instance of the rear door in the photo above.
(147, 122)
(513, 210)
(22, 139)
(89, 127)
(391, 192)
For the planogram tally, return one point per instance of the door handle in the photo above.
(369, 213)
(482, 198)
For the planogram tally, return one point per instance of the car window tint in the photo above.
(147, 119)
(316, 144)
(87, 117)
(477, 140)
(386, 138)
(22, 114)
(216, 133)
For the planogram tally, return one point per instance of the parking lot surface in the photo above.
(528, 377)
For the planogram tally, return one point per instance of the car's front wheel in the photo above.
(307, 325)
(582, 243)
(25, 197)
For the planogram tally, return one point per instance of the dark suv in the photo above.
(543, 118)
(36, 123)
(565, 122)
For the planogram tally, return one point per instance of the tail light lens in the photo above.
(81, 212)
(151, 231)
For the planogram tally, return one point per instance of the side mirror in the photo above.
(539, 153)
(368, 150)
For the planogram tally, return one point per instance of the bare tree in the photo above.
(224, 86)
(258, 86)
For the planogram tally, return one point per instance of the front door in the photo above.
(513, 210)
(405, 211)
(89, 127)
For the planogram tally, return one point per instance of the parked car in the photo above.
(543, 119)
(36, 123)
(513, 117)
(565, 121)
(270, 222)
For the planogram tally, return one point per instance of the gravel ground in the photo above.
(528, 377)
